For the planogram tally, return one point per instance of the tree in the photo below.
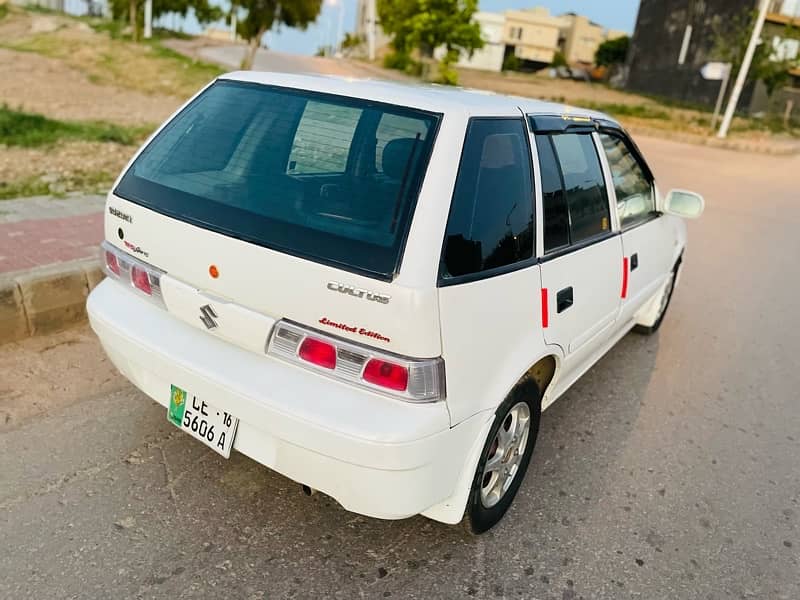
(768, 66)
(425, 25)
(612, 52)
(262, 15)
(351, 40)
(133, 9)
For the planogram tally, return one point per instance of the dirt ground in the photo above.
(63, 69)
(63, 160)
(43, 85)
(43, 374)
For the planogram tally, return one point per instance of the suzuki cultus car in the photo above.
(375, 289)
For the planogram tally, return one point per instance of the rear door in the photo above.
(582, 257)
(647, 237)
(489, 279)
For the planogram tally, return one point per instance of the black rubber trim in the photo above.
(552, 255)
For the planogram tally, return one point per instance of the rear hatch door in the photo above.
(262, 203)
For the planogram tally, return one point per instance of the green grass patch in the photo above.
(195, 69)
(640, 111)
(29, 130)
(3, 10)
(87, 182)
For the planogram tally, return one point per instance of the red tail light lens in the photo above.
(112, 263)
(318, 353)
(386, 374)
(141, 280)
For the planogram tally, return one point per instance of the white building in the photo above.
(490, 57)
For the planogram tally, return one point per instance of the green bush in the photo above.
(397, 60)
(612, 52)
(559, 60)
(511, 62)
(447, 74)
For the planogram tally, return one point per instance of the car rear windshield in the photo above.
(323, 177)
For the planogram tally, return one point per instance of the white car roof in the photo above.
(430, 97)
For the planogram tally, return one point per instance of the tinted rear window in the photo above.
(323, 177)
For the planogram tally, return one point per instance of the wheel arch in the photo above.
(542, 373)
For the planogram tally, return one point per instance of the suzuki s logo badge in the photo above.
(207, 316)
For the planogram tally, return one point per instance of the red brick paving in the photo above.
(36, 242)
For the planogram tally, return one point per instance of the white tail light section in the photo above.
(408, 379)
(121, 266)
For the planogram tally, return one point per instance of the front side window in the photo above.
(636, 200)
(491, 214)
(584, 185)
(327, 178)
(573, 189)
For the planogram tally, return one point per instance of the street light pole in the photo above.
(371, 18)
(723, 87)
(745, 68)
(148, 19)
(340, 32)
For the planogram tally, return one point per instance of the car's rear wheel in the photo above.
(504, 459)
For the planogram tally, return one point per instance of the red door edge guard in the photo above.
(625, 277)
(545, 310)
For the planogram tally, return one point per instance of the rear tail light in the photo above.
(385, 374)
(121, 266)
(141, 280)
(112, 264)
(318, 353)
(409, 379)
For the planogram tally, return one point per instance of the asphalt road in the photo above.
(669, 471)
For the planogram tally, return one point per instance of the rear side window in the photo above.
(636, 200)
(574, 190)
(295, 171)
(491, 214)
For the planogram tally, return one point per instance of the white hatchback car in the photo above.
(375, 289)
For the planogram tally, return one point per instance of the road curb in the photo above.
(46, 299)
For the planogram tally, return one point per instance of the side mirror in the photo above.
(685, 204)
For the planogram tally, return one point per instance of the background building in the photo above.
(579, 38)
(490, 57)
(532, 36)
(675, 38)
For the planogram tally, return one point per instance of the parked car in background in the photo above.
(376, 289)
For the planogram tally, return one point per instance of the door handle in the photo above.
(564, 299)
(634, 261)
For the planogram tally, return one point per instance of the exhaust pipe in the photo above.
(307, 490)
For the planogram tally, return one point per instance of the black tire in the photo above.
(644, 329)
(477, 517)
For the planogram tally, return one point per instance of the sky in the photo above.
(612, 14)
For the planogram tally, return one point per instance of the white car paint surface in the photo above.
(472, 338)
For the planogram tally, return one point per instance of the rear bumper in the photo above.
(376, 456)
